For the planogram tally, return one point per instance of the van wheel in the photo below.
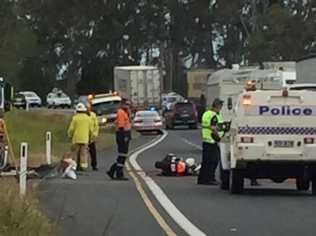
(224, 176)
(236, 181)
(314, 186)
(301, 184)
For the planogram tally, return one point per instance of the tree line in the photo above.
(75, 44)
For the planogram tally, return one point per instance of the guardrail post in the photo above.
(49, 148)
(23, 168)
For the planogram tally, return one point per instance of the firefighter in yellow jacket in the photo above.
(80, 131)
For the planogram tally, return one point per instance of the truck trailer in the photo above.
(140, 84)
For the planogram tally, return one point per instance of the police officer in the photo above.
(123, 137)
(211, 135)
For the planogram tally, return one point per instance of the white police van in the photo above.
(273, 135)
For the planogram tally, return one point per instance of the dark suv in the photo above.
(182, 113)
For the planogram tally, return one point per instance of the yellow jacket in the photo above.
(95, 124)
(80, 129)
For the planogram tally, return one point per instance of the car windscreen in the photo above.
(147, 114)
(104, 108)
(171, 99)
(184, 107)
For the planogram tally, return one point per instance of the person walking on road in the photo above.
(123, 137)
(80, 131)
(95, 134)
(211, 135)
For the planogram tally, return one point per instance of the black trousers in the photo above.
(210, 158)
(122, 140)
(93, 154)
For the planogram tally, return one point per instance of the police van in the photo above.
(273, 135)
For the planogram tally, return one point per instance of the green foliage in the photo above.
(93, 37)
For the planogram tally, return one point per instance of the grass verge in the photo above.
(19, 216)
(31, 127)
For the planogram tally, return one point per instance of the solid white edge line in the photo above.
(161, 197)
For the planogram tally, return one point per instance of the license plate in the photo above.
(283, 144)
(185, 115)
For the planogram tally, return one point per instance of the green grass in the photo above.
(21, 216)
(32, 126)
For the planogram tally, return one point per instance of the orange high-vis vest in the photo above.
(123, 120)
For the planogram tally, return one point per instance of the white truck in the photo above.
(140, 84)
(273, 135)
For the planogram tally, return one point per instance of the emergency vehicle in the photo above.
(273, 135)
(105, 107)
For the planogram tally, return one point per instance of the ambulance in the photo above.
(273, 135)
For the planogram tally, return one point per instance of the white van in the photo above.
(273, 135)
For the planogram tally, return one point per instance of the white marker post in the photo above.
(49, 148)
(23, 168)
(27, 107)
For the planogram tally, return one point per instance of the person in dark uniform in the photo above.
(123, 137)
(211, 135)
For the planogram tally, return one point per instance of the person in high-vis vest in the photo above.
(211, 135)
(80, 131)
(123, 137)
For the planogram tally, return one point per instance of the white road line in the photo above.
(191, 144)
(162, 198)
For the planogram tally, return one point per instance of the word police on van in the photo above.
(285, 111)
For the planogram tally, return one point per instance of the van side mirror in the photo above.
(229, 103)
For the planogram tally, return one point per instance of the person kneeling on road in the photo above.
(123, 137)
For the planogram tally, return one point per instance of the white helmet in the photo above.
(190, 162)
(81, 107)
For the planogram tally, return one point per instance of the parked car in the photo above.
(32, 98)
(147, 121)
(182, 113)
(58, 99)
(19, 101)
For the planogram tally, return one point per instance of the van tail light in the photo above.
(285, 92)
(309, 140)
(247, 100)
(246, 139)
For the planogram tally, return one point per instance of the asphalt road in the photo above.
(95, 205)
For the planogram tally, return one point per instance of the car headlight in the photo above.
(104, 120)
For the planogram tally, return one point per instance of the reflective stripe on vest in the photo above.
(206, 125)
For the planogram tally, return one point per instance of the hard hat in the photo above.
(81, 107)
(190, 162)
(217, 102)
